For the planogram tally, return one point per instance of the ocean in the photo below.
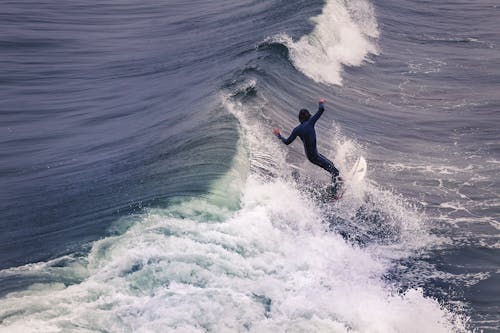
(142, 189)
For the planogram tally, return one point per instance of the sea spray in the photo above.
(344, 34)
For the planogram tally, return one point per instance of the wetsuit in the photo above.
(305, 131)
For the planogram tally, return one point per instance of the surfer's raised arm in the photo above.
(321, 109)
(304, 116)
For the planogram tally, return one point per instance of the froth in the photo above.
(266, 264)
(344, 34)
(270, 267)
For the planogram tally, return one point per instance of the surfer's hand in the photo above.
(322, 103)
(276, 131)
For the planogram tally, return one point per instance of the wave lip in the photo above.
(344, 35)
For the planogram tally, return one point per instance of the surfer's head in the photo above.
(304, 115)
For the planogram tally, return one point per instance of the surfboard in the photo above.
(358, 171)
(353, 177)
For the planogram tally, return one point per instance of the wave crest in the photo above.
(344, 35)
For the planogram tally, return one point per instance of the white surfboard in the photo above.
(358, 171)
(352, 178)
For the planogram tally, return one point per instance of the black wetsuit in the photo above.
(305, 131)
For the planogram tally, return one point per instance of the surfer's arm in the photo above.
(321, 109)
(288, 140)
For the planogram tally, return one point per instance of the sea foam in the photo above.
(268, 264)
(344, 34)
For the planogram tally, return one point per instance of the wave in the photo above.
(255, 255)
(345, 34)
(259, 252)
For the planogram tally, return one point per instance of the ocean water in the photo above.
(142, 190)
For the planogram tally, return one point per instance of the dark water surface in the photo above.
(141, 189)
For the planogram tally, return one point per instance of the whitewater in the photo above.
(265, 263)
(172, 208)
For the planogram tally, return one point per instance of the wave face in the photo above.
(145, 192)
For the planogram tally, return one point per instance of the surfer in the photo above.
(305, 131)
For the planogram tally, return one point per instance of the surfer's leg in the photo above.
(326, 164)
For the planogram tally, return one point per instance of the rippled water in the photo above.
(142, 189)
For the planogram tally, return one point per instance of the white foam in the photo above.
(268, 265)
(344, 35)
